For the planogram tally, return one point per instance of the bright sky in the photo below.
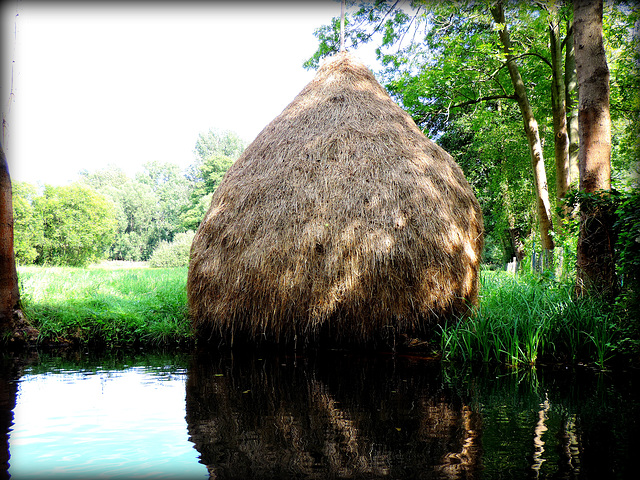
(128, 83)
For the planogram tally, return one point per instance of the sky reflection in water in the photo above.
(108, 424)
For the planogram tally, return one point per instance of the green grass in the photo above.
(521, 319)
(106, 306)
(524, 319)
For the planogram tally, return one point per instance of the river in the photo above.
(311, 415)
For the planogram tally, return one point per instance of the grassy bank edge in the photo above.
(107, 306)
(521, 319)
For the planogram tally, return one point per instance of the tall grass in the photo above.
(105, 305)
(522, 319)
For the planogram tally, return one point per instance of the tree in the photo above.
(137, 210)
(219, 142)
(215, 153)
(595, 260)
(79, 225)
(13, 325)
(531, 131)
(27, 228)
(109, 177)
(571, 103)
(9, 294)
(559, 105)
(149, 208)
(171, 189)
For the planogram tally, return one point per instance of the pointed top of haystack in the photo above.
(341, 218)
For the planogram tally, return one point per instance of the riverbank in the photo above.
(107, 305)
(521, 319)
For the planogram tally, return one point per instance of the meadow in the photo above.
(523, 319)
(107, 306)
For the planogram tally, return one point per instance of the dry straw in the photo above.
(340, 220)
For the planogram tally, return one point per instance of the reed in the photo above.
(522, 319)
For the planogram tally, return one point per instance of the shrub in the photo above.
(78, 225)
(174, 254)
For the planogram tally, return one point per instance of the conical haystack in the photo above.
(341, 219)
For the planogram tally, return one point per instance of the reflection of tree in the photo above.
(571, 444)
(8, 389)
(538, 442)
(326, 418)
(10, 371)
(458, 464)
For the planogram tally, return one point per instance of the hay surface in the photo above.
(342, 218)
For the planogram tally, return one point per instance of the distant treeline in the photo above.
(107, 215)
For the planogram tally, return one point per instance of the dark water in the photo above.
(330, 415)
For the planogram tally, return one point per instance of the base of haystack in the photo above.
(388, 340)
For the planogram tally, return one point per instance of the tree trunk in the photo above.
(531, 129)
(9, 295)
(558, 109)
(595, 266)
(571, 97)
(13, 326)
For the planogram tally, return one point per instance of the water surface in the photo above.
(88, 420)
(331, 415)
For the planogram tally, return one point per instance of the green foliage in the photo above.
(28, 230)
(193, 215)
(162, 201)
(219, 142)
(137, 214)
(443, 63)
(212, 170)
(107, 307)
(148, 207)
(173, 254)
(621, 22)
(526, 318)
(78, 225)
(623, 210)
(627, 229)
(215, 153)
(171, 189)
(141, 213)
(108, 177)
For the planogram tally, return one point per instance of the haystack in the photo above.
(340, 220)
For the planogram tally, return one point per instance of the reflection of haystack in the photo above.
(341, 217)
(259, 419)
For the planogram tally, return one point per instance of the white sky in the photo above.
(127, 83)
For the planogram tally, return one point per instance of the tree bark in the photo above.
(571, 97)
(558, 109)
(595, 266)
(9, 295)
(13, 326)
(531, 130)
